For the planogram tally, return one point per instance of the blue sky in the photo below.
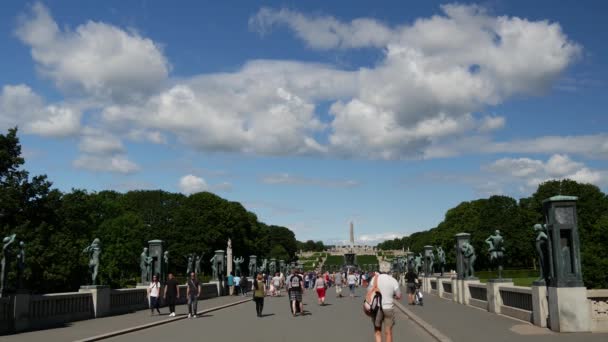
(311, 114)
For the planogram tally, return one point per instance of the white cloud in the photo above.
(374, 239)
(190, 184)
(95, 58)
(324, 32)
(526, 174)
(416, 102)
(491, 123)
(103, 163)
(20, 106)
(94, 141)
(285, 178)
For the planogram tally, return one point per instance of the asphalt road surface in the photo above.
(342, 319)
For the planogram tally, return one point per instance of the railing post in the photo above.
(494, 299)
(455, 291)
(21, 311)
(540, 308)
(101, 299)
(465, 293)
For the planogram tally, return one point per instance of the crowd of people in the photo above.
(295, 285)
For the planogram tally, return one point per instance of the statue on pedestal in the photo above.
(431, 261)
(145, 265)
(94, 251)
(441, 257)
(237, 265)
(6, 260)
(263, 267)
(468, 253)
(20, 264)
(252, 267)
(496, 248)
(214, 273)
(166, 261)
(197, 264)
(418, 263)
(189, 263)
(272, 267)
(542, 250)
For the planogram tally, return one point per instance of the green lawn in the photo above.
(520, 277)
(334, 260)
(367, 260)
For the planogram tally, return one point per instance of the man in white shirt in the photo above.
(389, 288)
(352, 281)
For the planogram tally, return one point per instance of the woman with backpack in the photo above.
(321, 286)
(259, 292)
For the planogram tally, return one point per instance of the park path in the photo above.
(462, 323)
(83, 329)
(341, 320)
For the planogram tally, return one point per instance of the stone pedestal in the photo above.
(540, 308)
(21, 311)
(426, 284)
(455, 289)
(229, 259)
(464, 294)
(218, 284)
(494, 298)
(569, 309)
(101, 298)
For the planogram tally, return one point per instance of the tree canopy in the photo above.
(57, 226)
(515, 220)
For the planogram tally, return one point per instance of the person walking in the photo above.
(276, 283)
(154, 294)
(339, 282)
(231, 283)
(321, 286)
(237, 285)
(296, 285)
(192, 292)
(259, 292)
(171, 293)
(243, 286)
(411, 279)
(352, 282)
(385, 318)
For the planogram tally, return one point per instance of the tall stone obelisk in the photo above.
(352, 235)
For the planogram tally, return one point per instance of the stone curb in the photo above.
(154, 324)
(440, 337)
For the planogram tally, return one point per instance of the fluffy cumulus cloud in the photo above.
(94, 58)
(435, 73)
(20, 106)
(527, 173)
(190, 184)
(435, 77)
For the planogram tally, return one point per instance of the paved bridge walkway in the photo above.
(341, 320)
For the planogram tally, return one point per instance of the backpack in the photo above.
(295, 282)
(373, 299)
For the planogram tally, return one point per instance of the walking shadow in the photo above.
(266, 315)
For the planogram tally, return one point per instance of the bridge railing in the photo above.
(598, 304)
(6, 314)
(479, 295)
(57, 308)
(446, 289)
(516, 302)
(128, 300)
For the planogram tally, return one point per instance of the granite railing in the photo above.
(6, 315)
(446, 289)
(598, 304)
(479, 295)
(128, 300)
(57, 308)
(30, 312)
(434, 285)
(516, 302)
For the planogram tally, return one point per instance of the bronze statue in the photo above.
(6, 256)
(145, 264)
(468, 253)
(441, 257)
(94, 251)
(542, 249)
(237, 265)
(496, 248)
(197, 264)
(20, 264)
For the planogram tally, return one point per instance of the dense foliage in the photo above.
(515, 221)
(57, 226)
